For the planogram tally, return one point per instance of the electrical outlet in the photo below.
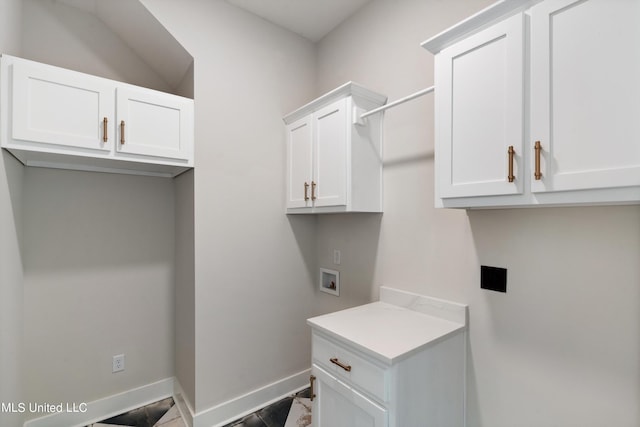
(118, 363)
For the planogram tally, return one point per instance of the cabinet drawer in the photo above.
(357, 371)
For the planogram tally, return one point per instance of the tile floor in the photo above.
(165, 414)
(275, 415)
(159, 414)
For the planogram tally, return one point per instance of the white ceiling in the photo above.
(311, 19)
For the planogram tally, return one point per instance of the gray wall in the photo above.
(65, 36)
(561, 347)
(184, 295)
(254, 266)
(99, 281)
(11, 285)
(99, 249)
(11, 270)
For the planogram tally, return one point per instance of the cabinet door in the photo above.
(61, 108)
(338, 405)
(299, 163)
(585, 93)
(480, 112)
(330, 154)
(155, 124)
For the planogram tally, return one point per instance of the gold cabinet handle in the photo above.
(313, 190)
(105, 137)
(122, 132)
(335, 361)
(306, 191)
(312, 394)
(537, 174)
(511, 152)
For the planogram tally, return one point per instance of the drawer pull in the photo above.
(335, 361)
(313, 190)
(537, 174)
(306, 191)
(122, 132)
(105, 137)
(312, 394)
(511, 152)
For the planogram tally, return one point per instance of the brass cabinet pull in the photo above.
(511, 152)
(335, 361)
(306, 190)
(122, 132)
(313, 190)
(105, 137)
(312, 394)
(537, 173)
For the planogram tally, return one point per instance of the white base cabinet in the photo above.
(395, 363)
(537, 104)
(338, 405)
(334, 165)
(59, 118)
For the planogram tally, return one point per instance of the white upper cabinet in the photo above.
(554, 79)
(330, 154)
(154, 124)
(480, 98)
(59, 118)
(59, 107)
(299, 163)
(585, 93)
(334, 165)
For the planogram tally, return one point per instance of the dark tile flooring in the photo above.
(274, 415)
(147, 416)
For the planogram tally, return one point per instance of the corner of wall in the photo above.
(11, 278)
(184, 299)
(11, 269)
(186, 86)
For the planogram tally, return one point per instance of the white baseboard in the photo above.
(106, 407)
(185, 406)
(233, 409)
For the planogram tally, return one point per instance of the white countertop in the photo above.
(390, 332)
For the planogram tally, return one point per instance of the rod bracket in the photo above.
(356, 114)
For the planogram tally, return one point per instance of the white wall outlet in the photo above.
(336, 257)
(118, 363)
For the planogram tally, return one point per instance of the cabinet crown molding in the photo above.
(483, 19)
(348, 89)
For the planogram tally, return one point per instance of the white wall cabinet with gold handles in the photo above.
(394, 363)
(53, 117)
(334, 165)
(537, 104)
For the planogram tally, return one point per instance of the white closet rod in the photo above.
(398, 102)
